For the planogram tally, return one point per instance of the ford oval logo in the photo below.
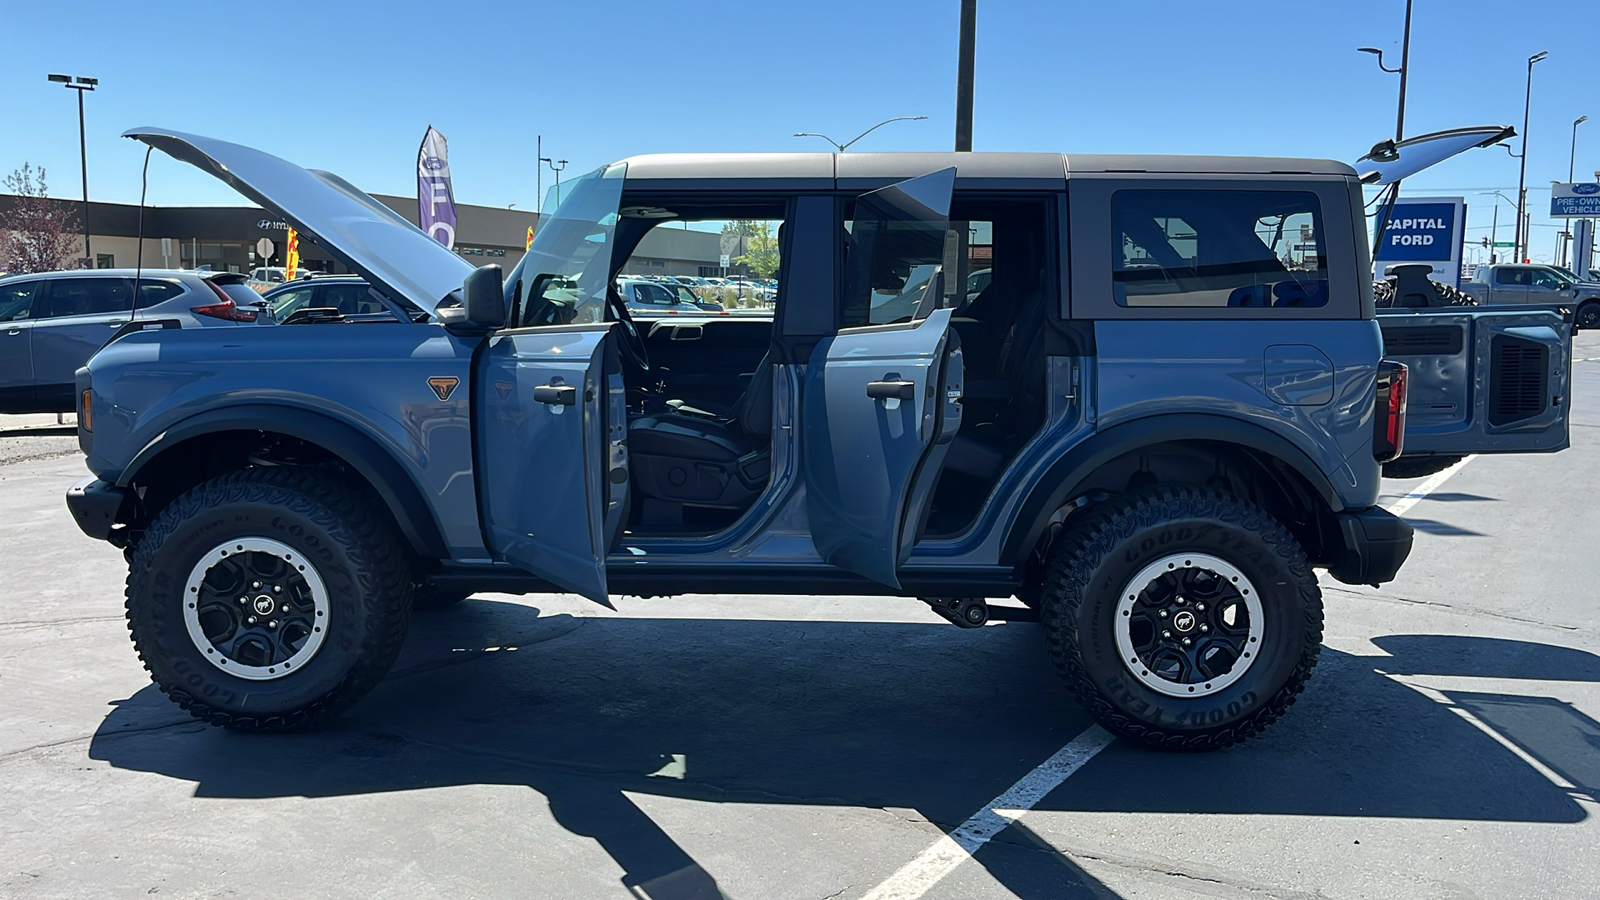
(1586, 189)
(433, 163)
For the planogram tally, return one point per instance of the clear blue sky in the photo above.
(350, 86)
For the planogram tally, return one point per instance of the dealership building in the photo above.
(225, 238)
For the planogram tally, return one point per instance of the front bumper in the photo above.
(1371, 545)
(95, 505)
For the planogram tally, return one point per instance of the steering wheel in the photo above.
(631, 346)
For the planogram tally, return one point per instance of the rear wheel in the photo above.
(268, 599)
(1182, 617)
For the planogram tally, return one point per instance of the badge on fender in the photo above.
(443, 385)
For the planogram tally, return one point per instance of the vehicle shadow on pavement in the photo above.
(857, 714)
(34, 431)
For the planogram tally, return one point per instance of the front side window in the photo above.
(565, 276)
(286, 303)
(89, 296)
(1544, 278)
(1194, 248)
(16, 301)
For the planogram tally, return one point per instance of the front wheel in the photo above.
(268, 599)
(1182, 617)
(1588, 315)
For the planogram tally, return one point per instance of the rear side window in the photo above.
(1247, 249)
(1511, 276)
(153, 292)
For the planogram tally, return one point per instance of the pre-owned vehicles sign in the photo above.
(1575, 200)
(1425, 230)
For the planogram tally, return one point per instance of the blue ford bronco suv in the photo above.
(1165, 411)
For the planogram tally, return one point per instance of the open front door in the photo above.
(883, 395)
(1482, 380)
(549, 401)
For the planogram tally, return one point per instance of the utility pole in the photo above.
(964, 66)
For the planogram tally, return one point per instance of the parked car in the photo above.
(1536, 284)
(1154, 455)
(52, 322)
(345, 296)
(663, 299)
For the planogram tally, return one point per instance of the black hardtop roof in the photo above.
(860, 171)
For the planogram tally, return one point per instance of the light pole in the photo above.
(842, 147)
(1405, 67)
(1522, 177)
(80, 84)
(556, 165)
(1494, 230)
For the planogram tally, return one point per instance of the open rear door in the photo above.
(1482, 380)
(883, 395)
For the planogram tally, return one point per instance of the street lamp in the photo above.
(1522, 178)
(1405, 60)
(80, 84)
(556, 165)
(1573, 158)
(861, 135)
(1494, 230)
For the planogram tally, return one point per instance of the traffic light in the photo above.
(1486, 241)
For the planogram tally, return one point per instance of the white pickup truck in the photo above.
(1536, 284)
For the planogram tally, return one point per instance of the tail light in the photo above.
(226, 309)
(1389, 425)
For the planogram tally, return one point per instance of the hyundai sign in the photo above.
(1425, 230)
(1575, 201)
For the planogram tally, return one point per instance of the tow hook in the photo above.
(964, 612)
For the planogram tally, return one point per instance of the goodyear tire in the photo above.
(269, 599)
(1418, 466)
(1146, 572)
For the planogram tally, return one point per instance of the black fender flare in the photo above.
(361, 452)
(1067, 473)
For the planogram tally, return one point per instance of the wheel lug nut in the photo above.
(1166, 634)
(250, 621)
(284, 609)
(277, 589)
(255, 584)
(1163, 614)
(1204, 628)
(275, 625)
(243, 600)
(1187, 642)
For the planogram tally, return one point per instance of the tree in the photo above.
(760, 248)
(37, 234)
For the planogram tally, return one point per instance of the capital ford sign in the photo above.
(1575, 201)
(1419, 231)
(1425, 230)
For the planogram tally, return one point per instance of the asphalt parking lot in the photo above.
(542, 746)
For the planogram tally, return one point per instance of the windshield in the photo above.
(564, 277)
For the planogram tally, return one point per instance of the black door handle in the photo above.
(891, 390)
(556, 394)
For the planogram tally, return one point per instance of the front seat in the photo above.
(707, 462)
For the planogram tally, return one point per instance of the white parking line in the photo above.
(916, 877)
(1400, 506)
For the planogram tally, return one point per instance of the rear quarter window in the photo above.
(1225, 249)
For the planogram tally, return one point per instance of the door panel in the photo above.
(874, 404)
(1483, 381)
(81, 314)
(16, 357)
(552, 462)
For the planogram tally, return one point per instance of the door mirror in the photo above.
(484, 298)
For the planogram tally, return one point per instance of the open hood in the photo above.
(1388, 161)
(372, 239)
